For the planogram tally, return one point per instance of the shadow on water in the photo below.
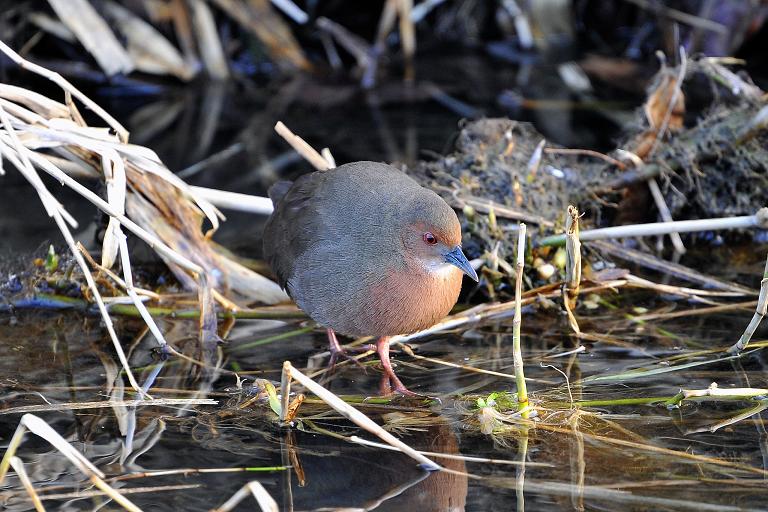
(635, 454)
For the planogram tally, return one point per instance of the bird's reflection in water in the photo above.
(357, 479)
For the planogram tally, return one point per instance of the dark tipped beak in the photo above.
(457, 258)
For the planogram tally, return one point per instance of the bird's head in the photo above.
(432, 235)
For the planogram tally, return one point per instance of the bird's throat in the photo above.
(440, 269)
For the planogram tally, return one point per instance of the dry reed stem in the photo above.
(52, 26)
(95, 35)
(759, 220)
(703, 459)
(301, 146)
(682, 16)
(116, 184)
(349, 412)
(449, 364)
(117, 279)
(59, 80)
(259, 18)
(211, 51)
(147, 47)
(291, 10)
(354, 44)
(517, 353)
(744, 306)
(236, 201)
(666, 215)
(326, 153)
(661, 131)
(407, 38)
(131, 291)
(752, 411)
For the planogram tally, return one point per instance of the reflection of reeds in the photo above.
(39, 427)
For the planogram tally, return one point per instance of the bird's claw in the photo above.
(341, 353)
(389, 390)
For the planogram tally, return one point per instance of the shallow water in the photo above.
(600, 457)
(573, 459)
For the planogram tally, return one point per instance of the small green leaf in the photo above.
(51, 260)
(274, 402)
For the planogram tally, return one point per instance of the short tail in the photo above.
(278, 190)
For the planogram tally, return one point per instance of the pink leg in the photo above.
(390, 382)
(333, 341)
(338, 351)
(335, 348)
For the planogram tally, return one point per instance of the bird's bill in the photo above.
(457, 258)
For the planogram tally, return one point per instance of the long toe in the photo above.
(398, 388)
(341, 353)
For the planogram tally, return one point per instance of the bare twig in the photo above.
(586, 152)
(666, 215)
(301, 146)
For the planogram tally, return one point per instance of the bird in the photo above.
(365, 250)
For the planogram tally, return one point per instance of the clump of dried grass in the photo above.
(38, 133)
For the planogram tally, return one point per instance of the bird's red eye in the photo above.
(429, 238)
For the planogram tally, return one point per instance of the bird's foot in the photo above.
(390, 384)
(338, 353)
(391, 388)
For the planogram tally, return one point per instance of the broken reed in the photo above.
(573, 256)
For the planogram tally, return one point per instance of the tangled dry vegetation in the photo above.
(711, 165)
(502, 172)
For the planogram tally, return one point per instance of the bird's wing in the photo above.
(278, 190)
(288, 232)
